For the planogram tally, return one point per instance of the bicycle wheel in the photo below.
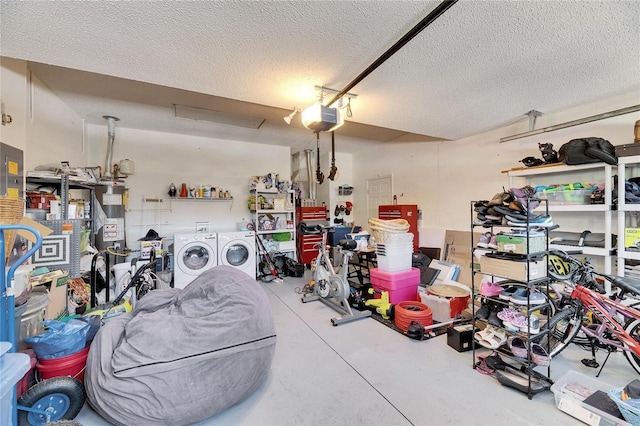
(561, 329)
(633, 328)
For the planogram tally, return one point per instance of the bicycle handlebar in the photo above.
(586, 271)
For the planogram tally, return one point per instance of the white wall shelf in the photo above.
(285, 218)
(623, 209)
(603, 171)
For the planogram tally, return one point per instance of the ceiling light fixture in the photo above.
(289, 117)
(321, 118)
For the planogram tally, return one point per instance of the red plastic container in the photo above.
(71, 365)
(401, 286)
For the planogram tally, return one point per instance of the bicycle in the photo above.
(329, 287)
(610, 322)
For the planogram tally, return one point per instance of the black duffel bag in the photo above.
(587, 150)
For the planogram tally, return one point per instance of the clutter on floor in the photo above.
(213, 341)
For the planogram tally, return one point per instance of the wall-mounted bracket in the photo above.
(533, 114)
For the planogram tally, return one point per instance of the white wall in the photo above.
(57, 134)
(328, 191)
(443, 177)
(161, 159)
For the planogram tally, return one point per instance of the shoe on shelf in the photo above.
(508, 313)
(485, 238)
(519, 321)
(484, 311)
(523, 296)
(541, 221)
(517, 346)
(524, 198)
(508, 292)
(520, 382)
(491, 337)
(490, 289)
(539, 355)
(493, 242)
(533, 327)
(493, 316)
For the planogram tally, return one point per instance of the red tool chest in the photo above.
(308, 244)
(311, 214)
(408, 212)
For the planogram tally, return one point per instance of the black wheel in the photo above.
(633, 328)
(61, 397)
(562, 328)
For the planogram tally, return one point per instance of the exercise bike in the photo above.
(329, 287)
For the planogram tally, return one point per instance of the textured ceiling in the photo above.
(480, 65)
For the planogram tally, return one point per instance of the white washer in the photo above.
(238, 249)
(194, 254)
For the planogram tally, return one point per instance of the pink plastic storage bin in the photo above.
(401, 286)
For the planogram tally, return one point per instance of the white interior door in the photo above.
(379, 193)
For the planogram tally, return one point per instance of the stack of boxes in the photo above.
(394, 273)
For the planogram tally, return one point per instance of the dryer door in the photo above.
(237, 253)
(196, 257)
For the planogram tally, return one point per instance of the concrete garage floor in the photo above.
(364, 373)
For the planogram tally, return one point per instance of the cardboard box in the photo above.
(632, 237)
(145, 248)
(457, 249)
(460, 337)
(521, 245)
(514, 269)
(57, 307)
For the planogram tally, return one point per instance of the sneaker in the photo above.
(524, 198)
(493, 317)
(493, 243)
(484, 311)
(508, 292)
(508, 313)
(490, 289)
(534, 325)
(541, 221)
(522, 295)
(484, 239)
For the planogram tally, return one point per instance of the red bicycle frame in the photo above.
(604, 310)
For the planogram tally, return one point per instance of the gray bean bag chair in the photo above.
(183, 356)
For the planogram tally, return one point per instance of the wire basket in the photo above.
(11, 210)
(630, 413)
(383, 229)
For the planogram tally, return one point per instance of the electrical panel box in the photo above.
(12, 174)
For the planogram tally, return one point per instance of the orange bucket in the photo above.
(71, 365)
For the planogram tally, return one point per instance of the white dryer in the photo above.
(194, 254)
(238, 249)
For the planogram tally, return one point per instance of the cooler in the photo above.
(12, 367)
(401, 286)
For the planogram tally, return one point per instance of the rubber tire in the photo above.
(633, 328)
(68, 388)
(561, 328)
